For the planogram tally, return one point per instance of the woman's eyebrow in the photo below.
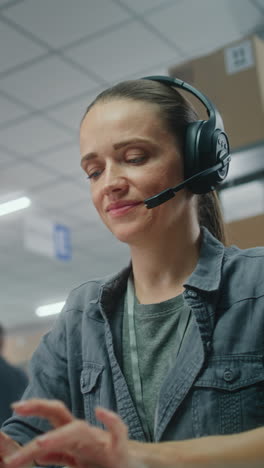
(116, 146)
(131, 141)
(88, 157)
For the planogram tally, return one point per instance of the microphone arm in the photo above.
(169, 193)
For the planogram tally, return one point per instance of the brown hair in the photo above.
(2, 336)
(176, 112)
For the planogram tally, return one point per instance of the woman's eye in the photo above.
(136, 160)
(94, 175)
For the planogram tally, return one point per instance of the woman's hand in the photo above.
(77, 444)
(7, 447)
(73, 442)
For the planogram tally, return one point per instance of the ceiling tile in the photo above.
(5, 158)
(248, 18)
(15, 49)
(8, 232)
(10, 110)
(65, 161)
(59, 195)
(141, 6)
(185, 23)
(117, 52)
(162, 69)
(32, 135)
(64, 21)
(260, 3)
(23, 176)
(46, 83)
(71, 114)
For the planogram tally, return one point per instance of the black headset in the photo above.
(206, 148)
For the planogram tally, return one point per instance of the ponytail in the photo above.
(210, 215)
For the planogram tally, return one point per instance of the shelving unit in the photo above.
(243, 205)
(247, 164)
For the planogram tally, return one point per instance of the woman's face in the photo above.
(129, 156)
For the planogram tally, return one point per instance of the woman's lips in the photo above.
(120, 210)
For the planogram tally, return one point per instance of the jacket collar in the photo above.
(205, 277)
(207, 273)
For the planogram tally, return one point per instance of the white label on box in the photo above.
(239, 57)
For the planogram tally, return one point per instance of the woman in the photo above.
(174, 343)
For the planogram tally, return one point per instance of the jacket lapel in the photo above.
(180, 379)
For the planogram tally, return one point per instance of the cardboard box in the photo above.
(246, 233)
(233, 78)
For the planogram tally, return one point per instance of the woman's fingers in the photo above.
(91, 445)
(118, 456)
(56, 458)
(76, 436)
(24, 456)
(53, 410)
(74, 442)
(61, 459)
(7, 445)
(74, 439)
(34, 453)
(115, 426)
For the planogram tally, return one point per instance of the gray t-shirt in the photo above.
(158, 338)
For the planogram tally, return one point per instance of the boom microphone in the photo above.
(169, 193)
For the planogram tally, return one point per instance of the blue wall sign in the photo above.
(62, 242)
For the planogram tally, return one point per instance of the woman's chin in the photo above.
(129, 236)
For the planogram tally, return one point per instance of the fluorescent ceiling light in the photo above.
(14, 205)
(50, 309)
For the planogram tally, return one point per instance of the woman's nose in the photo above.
(114, 181)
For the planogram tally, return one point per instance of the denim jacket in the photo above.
(217, 383)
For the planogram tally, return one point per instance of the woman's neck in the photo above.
(161, 267)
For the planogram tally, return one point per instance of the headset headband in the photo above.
(212, 111)
(206, 147)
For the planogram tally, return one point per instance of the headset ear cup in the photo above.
(206, 151)
(204, 146)
(191, 149)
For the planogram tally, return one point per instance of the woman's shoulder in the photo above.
(244, 269)
(90, 291)
(233, 253)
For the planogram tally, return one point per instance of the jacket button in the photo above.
(192, 293)
(208, 345)
(228, 375)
